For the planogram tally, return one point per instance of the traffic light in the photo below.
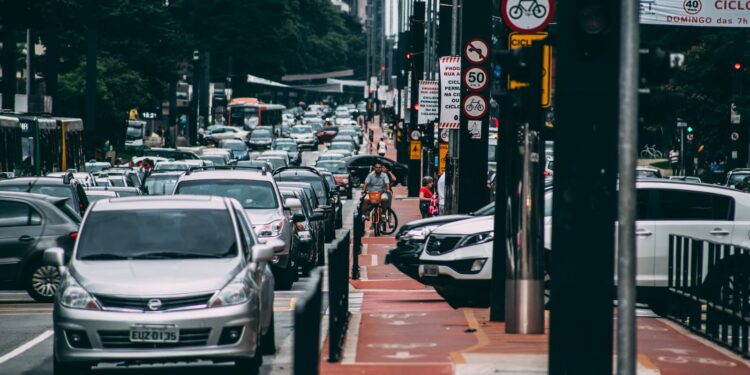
(737, 66)
(689, 129)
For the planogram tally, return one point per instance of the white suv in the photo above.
(701, 211)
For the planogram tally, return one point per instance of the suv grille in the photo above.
(121, 340)
(142, 304)
(439, 244)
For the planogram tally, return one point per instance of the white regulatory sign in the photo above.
(527, 16)
(476, 51)
(474, 106)
(475, 78)
(444, 135)
(415, 134)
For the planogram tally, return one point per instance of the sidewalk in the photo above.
(404, 327)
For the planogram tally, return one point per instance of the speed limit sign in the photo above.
(476, 78)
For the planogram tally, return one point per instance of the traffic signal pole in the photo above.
(417, 57)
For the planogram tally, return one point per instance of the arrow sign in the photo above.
(403, 355)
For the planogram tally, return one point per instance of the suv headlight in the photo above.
(476, 239)
(234, 293)
(271, 229)
(419, 234)
(73, 296)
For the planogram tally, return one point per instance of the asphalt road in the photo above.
(26, 336)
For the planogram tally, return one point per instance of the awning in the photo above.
(262, 81)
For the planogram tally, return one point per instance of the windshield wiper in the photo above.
(175, 255)
(103, 256)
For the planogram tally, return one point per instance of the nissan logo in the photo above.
(154, 304)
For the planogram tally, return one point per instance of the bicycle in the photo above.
(537, 10)
(651, 152)
(384, 220)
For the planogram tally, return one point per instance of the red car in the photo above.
(326, 134)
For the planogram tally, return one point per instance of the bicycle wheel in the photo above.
(515, 12)
(644, 154)
(376, 221)
(658, 154)
(390, 223)
(539, 11)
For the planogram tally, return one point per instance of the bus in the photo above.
(135, 133)
(249, 113)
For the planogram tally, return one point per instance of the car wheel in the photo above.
(65, 368)
(42, 281)
(251, 366)
(268, 341)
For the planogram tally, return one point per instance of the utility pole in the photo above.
(586, 107)
(29, 73)
(9, 67)
(417, 56)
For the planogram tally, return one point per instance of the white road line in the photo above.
(373, 260)
(19, 350)
(352, 339)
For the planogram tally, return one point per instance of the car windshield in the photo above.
(251, 194)
(276, 162)
(117, 181)
(340, 146)
(51, 190)
(315, 181)
(301, 130)
(234, 146)
(160, 184)
(333, 166)
(157, 234)
(737, 178)
(286, 147)
(258, 134)
(216, 159)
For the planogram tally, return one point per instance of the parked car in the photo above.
(260, 138)
(238, 149)
(29, 224)
(361, 165)
(260, 198)
(65, 187)
(340, 174)
(322, 190)
(164, 279)
(303, 135)
(737, 176)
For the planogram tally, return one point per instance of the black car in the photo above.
(261, 138)
(308, 237)
(64, 187)
(291, 148)
(335, 198)
(321, 188)
(30, 224)
(411, 237)
(360, 166)
(312, 199)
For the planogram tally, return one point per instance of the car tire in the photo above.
(285, 277)
(69, 368)
(251, 366)
(349, 194)
(41, 281)
(268, 341)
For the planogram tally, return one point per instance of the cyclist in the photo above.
(376, 182)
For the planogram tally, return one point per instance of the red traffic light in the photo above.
(382, 68)
(408, 56)
(416, 106)
(737, 66)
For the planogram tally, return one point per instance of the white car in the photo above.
(304, 136)
(701, 211)
(226, 132)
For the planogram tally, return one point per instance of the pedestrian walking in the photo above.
(382, 147)
(425, 196)
(674, 158)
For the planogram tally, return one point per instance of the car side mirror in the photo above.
(325, 207)
(318, 215)
(55, 256)
(262, 253)
(298, 218)
(293, 204)
(276, 245)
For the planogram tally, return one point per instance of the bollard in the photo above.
(358, 227)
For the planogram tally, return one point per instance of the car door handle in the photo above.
(719, 232)
(643, 233)
(25, 238)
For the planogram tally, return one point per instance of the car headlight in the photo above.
(72, 295)
(234, 293)
(476, 239)
(271, 229)
(419, 234)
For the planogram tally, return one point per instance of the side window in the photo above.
(245, 235)
(14, 214)
(689, 205)
(644, 207)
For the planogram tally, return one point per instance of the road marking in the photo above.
(682, 331)
(482, 339)
(646, 362)
(19, 350)
(403, 355)
(373, 260)
(403, 346)
(352, 340)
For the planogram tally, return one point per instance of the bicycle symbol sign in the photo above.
(474, 106)
(527, 16)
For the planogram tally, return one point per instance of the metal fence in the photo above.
(709, 290)
(338, 292)
(307, 312)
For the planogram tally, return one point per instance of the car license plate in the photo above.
(430, 270)
(154, 333)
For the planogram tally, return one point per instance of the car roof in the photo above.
(35, 180)
(677, 184)
(31, 196)
(105, 193)
(165, 173)
(228, 174)
(152, 202)
(645, 168)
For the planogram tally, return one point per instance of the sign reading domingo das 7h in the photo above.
(711, 13)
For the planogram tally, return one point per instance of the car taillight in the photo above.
(73, 235)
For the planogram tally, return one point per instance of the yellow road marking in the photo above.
(646, 362)
(482, 339)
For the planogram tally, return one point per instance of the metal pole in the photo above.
(682, 151)
(454, 29)
(626, 199)
(29, 52)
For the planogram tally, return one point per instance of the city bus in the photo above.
(249, 113)
(135, 133)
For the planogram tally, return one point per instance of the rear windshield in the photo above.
(301, 130)
(316, 182)
(333, 167)
(54, 191)
(160, 184)
(157, 234)
(251, 194)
